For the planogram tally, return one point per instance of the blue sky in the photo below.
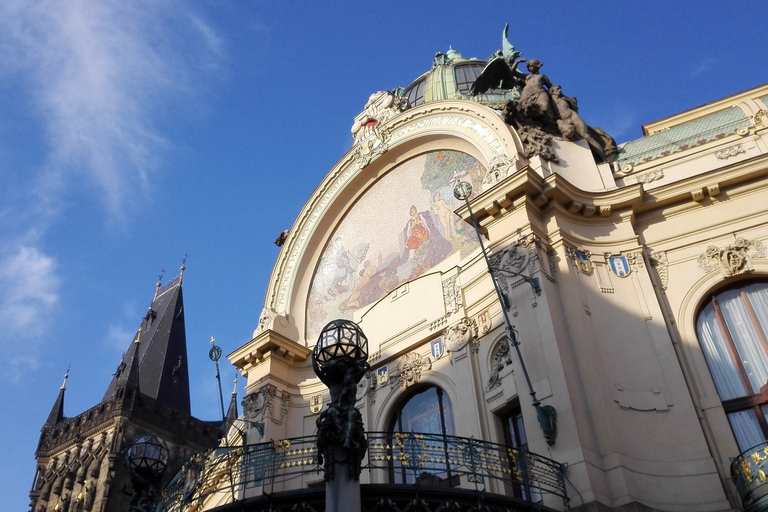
(132, 133)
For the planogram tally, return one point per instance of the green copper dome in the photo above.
(451, 78)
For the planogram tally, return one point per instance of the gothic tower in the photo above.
(81, 460)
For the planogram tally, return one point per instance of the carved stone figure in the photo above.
(542, 110)
(536, 141)
(535, 101)
(501, 359)
(572, 126)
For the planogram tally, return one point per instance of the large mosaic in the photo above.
(400, 229)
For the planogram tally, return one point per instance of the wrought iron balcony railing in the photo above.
(232, 474)
(750, 474)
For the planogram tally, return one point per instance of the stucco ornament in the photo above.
(265, 321)
(733, 259)
(452, 296)
(260, 405)
(409, 369)
(370, 139)
(508, 262)
(725, 154)
(459, 335)
(660, 262)
(499, 168)
(502, 358)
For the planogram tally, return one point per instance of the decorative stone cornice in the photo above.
(268, 343)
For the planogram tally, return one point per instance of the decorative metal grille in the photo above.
(231, 474)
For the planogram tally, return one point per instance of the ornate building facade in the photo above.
(635, 279)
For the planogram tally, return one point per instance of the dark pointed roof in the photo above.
(161, 355)
(57, 411)
(231, 416)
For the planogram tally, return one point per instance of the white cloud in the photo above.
(119, 337)
(95, 78)
(101, 73)
(29, 292)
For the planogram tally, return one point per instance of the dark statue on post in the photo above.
(340, 361)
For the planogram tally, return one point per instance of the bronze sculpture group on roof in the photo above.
(542, 111)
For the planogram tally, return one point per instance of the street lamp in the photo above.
(340, 360)
(146, 460)
(546, 414)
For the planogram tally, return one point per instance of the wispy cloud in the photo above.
(30, 293)
(98, 77)
(101, 73)
(119, 337)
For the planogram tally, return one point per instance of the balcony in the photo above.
(749, 472)
(401, 471)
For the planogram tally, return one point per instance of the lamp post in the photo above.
(340, 360)
(146, 460)
(546, 415)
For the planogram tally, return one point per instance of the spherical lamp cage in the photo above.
(340, 339)
(148, 456)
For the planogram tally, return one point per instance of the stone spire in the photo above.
(57, 411)
(232, 410)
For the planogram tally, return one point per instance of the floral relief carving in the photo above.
(733, 259)
(725, 154)
(285, 401)
(650, 176)
(539, 251)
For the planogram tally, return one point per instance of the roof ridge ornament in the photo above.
(66, 376)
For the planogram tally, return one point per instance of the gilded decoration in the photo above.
(733, 259)
(399, 230)
(580, 259)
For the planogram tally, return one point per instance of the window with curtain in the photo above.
(732, 328)
(427, 411)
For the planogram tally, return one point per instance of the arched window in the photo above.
(733, 332)
(427, 411)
